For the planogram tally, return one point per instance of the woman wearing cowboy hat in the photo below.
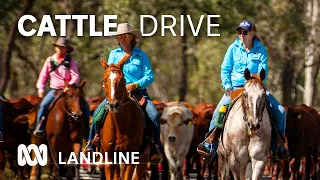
(138, 76)
(60, 67)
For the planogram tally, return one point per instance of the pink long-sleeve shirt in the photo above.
(58, 76)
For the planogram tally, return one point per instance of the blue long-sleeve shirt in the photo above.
(136, 69)
(237, 60)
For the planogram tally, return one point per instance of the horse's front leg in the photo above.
(258, 167)
(223, 167)
(109, 170)
(76, 150)
(54, 166)
(142, 167)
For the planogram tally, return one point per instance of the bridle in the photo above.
(121, 102)
(245, 116)
(71, 114)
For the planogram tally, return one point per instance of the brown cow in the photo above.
(202, 116)
(15, 131)
(302, 140)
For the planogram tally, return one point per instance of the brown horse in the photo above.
(15, 132)
(65, 127)
(123, 128)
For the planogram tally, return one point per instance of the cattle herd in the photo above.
(183, 127)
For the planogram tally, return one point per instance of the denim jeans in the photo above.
(278, 111)
(45, 103)
(150, 109)
(47, 100)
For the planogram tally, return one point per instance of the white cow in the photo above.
(176, 136)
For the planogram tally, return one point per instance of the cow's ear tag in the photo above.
(190, 123)
(299, 116)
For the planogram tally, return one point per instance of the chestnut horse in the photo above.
(15, 132)
(124, 125)
(65, 127)
(247, 132)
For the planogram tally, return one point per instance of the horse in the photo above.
(124, 125)
(65, 127)
(247, 133)
(15, 132)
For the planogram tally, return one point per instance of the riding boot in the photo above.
(39, 131)
(278, 149)
(209, 146)
(155, 156)
(1, 137)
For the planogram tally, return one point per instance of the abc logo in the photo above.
(24, 157)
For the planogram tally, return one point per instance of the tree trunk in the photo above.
(287, 82)
(310, 53)
(7, 53)
(184, 68)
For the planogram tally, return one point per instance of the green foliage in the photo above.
(280, 24)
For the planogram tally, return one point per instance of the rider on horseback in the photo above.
(138, 76)
(60, 67)
(247, 51)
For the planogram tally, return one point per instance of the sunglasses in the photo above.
(123, 36)
(242, 32)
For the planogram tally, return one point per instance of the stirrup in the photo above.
(156, 157)
(208, 155)
(39, 133)
(87, 149)
(203, 150)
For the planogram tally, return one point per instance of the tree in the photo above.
(7, 53)
(312, 64)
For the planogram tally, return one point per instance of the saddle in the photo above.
(139, 98)
(236, 93)
(57, 95)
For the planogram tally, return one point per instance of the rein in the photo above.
(69, 113)
(121, 103)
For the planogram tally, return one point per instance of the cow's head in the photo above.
(175, 123)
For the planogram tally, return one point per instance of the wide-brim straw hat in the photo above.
(124, 28)
(62, 41)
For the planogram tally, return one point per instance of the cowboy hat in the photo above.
(124, 28)
(62, 41)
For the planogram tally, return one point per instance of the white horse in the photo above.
(247, 132)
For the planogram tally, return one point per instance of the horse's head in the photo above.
(254, 99)
(114, 85)
(74, 98)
